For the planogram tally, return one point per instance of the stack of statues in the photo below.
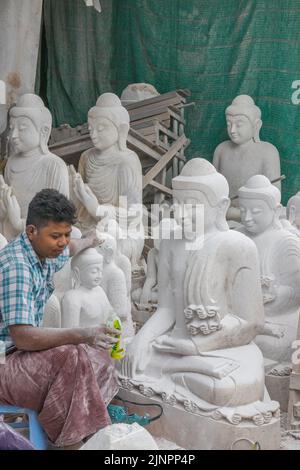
(226, 301)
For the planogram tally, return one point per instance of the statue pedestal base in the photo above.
(278, 388)
(194, 431)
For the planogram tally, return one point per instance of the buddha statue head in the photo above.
(108, 248)
(259, 204)
(108, 123)
(87, 268)
(243, 119)
(293, 210)
(30, 124)
(202, 192)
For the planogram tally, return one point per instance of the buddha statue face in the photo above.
(243, 119)
(87, 268)
(108, 123)
(30, 124)
(240, 128)
(196, 213)
(23, 134)
(293, 210)
(91, 275)
(103, 132)
(256, 215)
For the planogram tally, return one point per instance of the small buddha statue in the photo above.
(147, 296)
(86, 305)
(31, 167)
(197, 348)
(279, 254)
(109, 182)
(114, 284)
(244, 155)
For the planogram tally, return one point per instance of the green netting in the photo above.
(216, 48)
(75, 58)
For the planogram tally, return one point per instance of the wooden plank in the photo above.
(156, 99)
(164, 160)
(161, 187)
(176, 116)
(154, 107)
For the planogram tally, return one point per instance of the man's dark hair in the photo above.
(49, 205)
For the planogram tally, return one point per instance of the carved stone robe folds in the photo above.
(111, 177)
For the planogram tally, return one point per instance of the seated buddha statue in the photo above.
(198, 346)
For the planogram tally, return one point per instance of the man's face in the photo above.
(256, 215)
(51, 240)
(23, 134)
(239, 128)
(103, 132)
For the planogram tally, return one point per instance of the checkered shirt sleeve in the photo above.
(16, 296)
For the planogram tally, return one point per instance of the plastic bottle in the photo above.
(117, 350)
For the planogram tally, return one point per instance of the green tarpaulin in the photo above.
(216, 48)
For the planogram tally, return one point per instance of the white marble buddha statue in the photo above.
(86, 305)
(31, 167)
(244, 155)
(114, 284)
(109, 182)
(197, 348)
(279, 254)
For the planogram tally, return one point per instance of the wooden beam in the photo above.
(164, 160)
(161, 187)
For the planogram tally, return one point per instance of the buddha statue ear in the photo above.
(75, 278)
(223, 206)
(123, 133)
(44, 137)
(292, 214)
(257, 127)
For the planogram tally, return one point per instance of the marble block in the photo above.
(202, 432)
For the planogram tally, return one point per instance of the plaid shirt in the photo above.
(26, 284)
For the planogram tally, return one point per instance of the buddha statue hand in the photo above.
(269, 287)
(168, 344)
(272, 329)
(202, 319)
(11, 206)
(84, 194)
(137, 356)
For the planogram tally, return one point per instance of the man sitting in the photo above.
(66, 375)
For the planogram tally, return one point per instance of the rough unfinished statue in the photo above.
(197, 349)
(31, 167)
(115, 286)
(279, 254)
(244, 155)
(109, 182)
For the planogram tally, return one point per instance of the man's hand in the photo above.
(103, 337)
(91, 239)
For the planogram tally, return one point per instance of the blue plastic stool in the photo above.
(37, 435)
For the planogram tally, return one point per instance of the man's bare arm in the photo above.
(32, 338)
